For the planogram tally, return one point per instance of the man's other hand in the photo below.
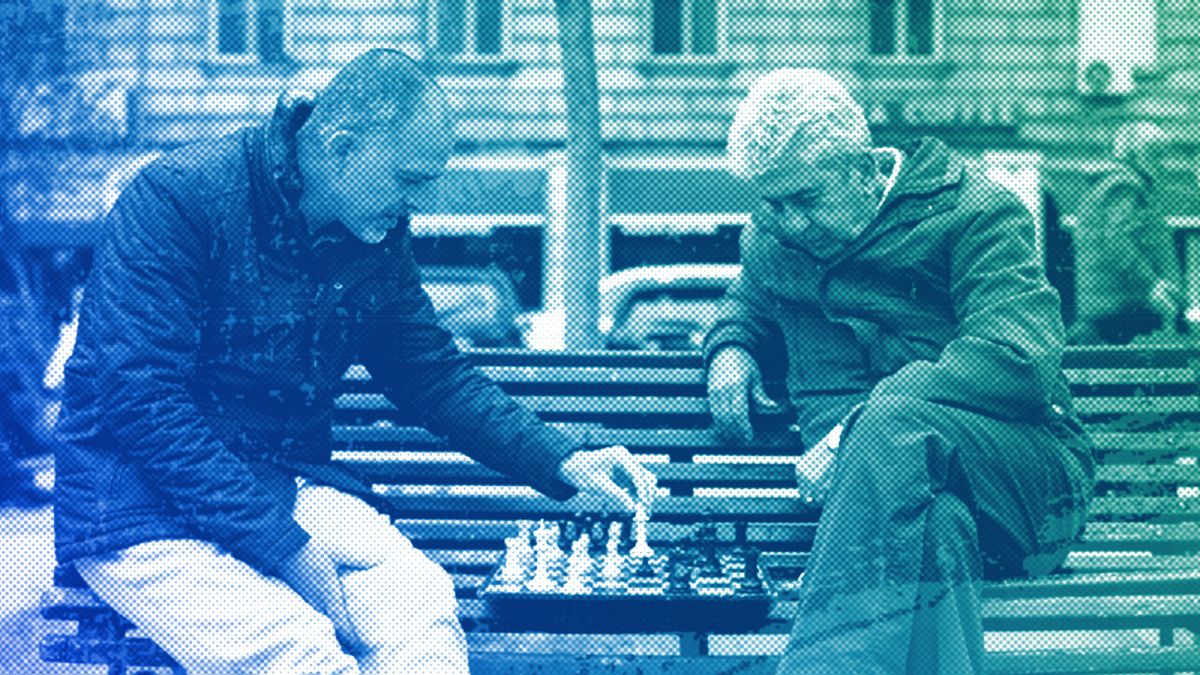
(313, 573)
(734, 379)
(612, 477)
(814, 471)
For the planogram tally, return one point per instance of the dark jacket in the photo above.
(942, 298)
(1123, 250)
(212, 339)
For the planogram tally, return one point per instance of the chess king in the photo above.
(900, 295)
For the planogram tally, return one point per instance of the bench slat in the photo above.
(756, 475)
(1116, 405)
(396, 468)
(1145, 506)
(767, 442)
(535, 506)
(561, 405)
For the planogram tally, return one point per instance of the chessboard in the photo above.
(553, 576)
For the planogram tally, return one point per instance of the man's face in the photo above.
(821, 206)
(374, 178)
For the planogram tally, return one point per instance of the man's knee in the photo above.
(400, 599)
(893, 433)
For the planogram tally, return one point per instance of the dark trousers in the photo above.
(927, 501)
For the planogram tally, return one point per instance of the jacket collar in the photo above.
(281, 178)
(929, 167)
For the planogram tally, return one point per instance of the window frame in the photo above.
(686, 55)
(470, 53)
(253, 54)
(900, 36)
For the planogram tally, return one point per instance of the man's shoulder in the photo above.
(207, 170)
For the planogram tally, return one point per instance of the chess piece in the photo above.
(751, 583)
(516, 559)
(525, 531)
(610, 572)
(545, 554)
(597, 538)
(712, 578)
(679, 581)
(567, 534)
(578, 566)
(640, 548)
(645, 579)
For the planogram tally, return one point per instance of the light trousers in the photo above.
(217, 615)
(927, 502)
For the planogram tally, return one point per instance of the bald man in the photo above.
(900, 296)
(237, 281)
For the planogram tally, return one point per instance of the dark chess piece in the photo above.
(679, 580)
(752, 583)
(644, 571)
(568, 532)
(598, 534)
(710, 564)
(740, 538)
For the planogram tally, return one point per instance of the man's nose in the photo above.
(421, 198)
(797, 218)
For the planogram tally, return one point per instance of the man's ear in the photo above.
(340, 144)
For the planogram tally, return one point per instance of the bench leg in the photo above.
(693, 644)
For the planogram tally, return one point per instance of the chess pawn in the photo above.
(578, 566)
(610, 572)
(597, 538)
(543, 580)
(679, 580)
(645, 579)
(516, 559)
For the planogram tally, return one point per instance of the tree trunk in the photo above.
(581, 229)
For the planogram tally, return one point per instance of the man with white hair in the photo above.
(1127, 273)
(900, 296)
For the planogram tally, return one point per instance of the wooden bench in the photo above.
(1136, 568)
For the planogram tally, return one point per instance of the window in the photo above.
(247, 31)
(905, 28)
(686, 27)
(469, 27)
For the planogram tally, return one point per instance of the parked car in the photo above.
(662, 308)
(479, 305)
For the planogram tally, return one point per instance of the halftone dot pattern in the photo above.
(1006, 350)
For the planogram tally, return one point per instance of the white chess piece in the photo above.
(640, 548)
(543, 553)
(612, 553)
(516, 559)
(578, 566)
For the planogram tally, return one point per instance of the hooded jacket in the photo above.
(212, 340)
(942, 298)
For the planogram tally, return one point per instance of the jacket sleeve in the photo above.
(146, 298)
(422, 372)
(1006, 357)
(745, 318)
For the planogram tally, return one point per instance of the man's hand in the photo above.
(313, 573)
(734, 379)
(814, 471)
(611, 476)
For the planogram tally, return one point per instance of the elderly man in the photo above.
(237, 281)
(900, 296)
(1127, 273)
